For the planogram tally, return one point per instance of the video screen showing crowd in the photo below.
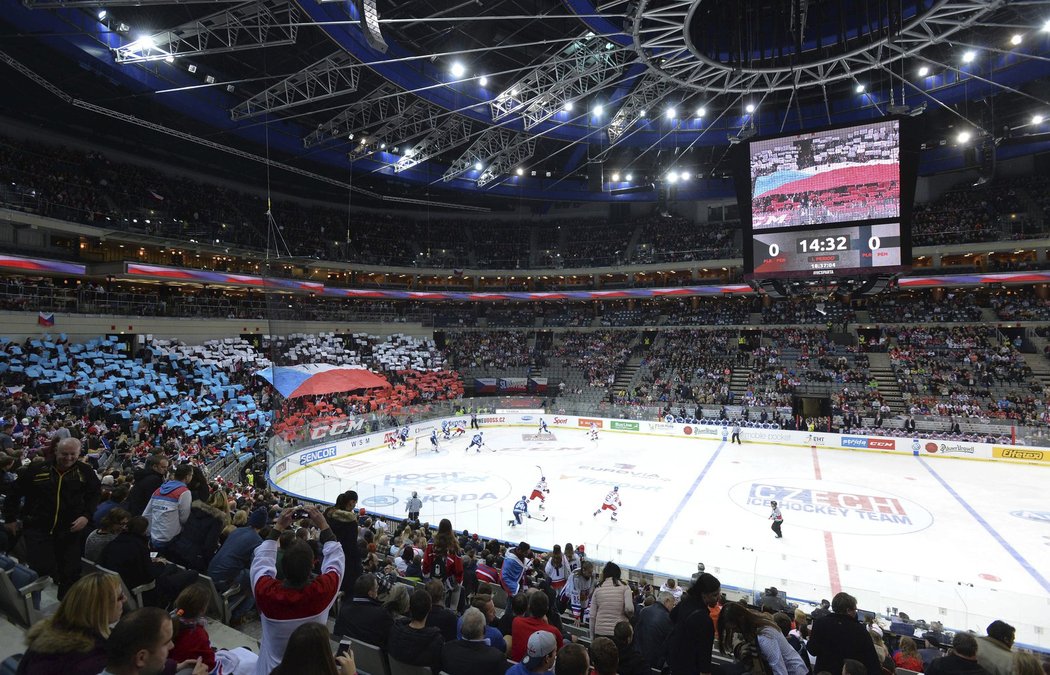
(834, 175)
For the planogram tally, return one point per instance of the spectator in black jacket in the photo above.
(654, 627)
(414, 642)
(631, 661)
(472, 655)
(693, 637)
(146, 482)
(196, 544)
(440, 617)
(343, 519)
(961, 660)
(839, 636)
(363, 617)
(128, 555)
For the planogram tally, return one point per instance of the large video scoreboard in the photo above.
(829, 202)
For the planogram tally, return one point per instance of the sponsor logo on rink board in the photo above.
(949, 448)
(831, 506)
(317, 455)
(624, 426)
(587, 422)
(1026, 454)
(659, 426)
(561, 420)
(862, 442)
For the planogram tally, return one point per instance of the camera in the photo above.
(300, 513)
(344, 647)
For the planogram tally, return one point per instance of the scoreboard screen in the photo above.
(849, 250)
(829, 176)
(829, 202)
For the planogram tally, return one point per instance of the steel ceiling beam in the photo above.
(650, 91)
(451, 133)
(59, 4)
(265, 23)
(507, 160)
(359, 115)
(333, 75)
(486, 147)
(416, 118)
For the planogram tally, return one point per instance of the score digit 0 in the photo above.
(774, 250)
(874, 242)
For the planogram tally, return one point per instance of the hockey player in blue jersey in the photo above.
(521, 510)
(434, 440)
(475, 442)
(444, 429)
(404, 436)
(543, 427)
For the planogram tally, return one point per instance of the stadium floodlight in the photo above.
(567, 107)
(477, 165)
(685, 175)
(643, 113)
(616, 178)
(750, 108)
(458, 70)
(963, 137)
(924, 71)
(672, 177)
(701, 111)
(373, 35)
(1037, 119)
(860, 88)
(520, 171)
(1015, 39)
(1046, 26)
(969, 56)
(598, 110)
(382, 146)
(628, 178)
(102, 15)
(169, 59)
(671, 113)
(483, 81)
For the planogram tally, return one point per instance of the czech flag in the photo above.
(45, 319)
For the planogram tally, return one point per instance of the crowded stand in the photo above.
(595, 356)
(804, 310)
(676, 239)
(952, 306)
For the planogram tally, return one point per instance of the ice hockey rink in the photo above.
(960, 541)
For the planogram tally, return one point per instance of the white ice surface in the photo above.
(886, 528)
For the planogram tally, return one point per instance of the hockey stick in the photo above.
(542, 519)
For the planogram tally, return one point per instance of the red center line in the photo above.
(829, 543)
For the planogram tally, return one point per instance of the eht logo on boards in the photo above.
(587, 422)
(316, 455)
(832, 506)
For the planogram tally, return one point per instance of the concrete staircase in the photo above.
(1039, 364)
(886, 381)
(988, 315)
(738, 380)
(626, 374)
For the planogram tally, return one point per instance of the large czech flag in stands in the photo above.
(315, 379)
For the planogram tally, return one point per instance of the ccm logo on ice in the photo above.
(836, 507)
(316, 455)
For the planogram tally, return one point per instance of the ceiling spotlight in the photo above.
(520, 171)
(364, 141)
(483, 81)
(513, 92)
(685, 175)
(209, 79)
(101, 15)
(671, 113)
(458, 70)
(1016, 39)
(382, 146)
(169, 59)
(477, 165)
(567, 107)
(145, 42)
(643, 113)
(351, 137)
(396, 149)
(924, 71)
(1046, 26)
(616, 178)
(750, 108)
(191, 68)
(1037, 119)
(969, 56)
(859, 89)
(963, 137)
(598, 110)
(672, 177)
(701, 111)
(628, 178)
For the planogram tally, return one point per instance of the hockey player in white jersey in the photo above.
(539, 491)
(543, 427)
(594, 431)
(404, 436)
(611, 503)
(475, 442)
(459, 429)
(444, 429)
(521, 510)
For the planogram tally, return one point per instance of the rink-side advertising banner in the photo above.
(329, 447)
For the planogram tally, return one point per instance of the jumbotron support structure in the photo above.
(586, 65)
(359, 115)
(451, 133)
(333, 75)
(251, 25)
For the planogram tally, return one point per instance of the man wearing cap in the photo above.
(230, 564)
(540, 656)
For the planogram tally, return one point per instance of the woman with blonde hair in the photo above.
(396, 602)
(907, 656)
(240, 519)
(73, 640)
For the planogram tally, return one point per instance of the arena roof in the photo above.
(477, 101)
